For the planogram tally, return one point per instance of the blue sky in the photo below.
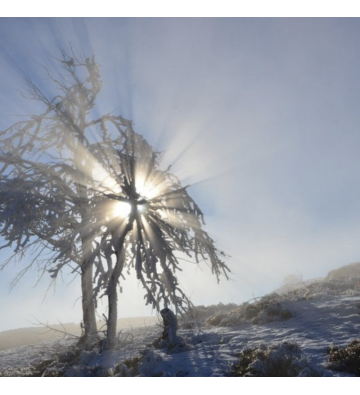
(259, 115)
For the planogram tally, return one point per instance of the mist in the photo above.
(259, 116)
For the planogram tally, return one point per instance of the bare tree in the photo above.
(90, 190)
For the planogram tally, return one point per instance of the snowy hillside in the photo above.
(280, 334)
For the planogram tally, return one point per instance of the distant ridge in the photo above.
(294, 282)
(39, 334)
(344, 272)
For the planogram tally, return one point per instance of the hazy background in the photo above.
(261, 116)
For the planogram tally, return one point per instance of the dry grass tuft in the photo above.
(346, 359)
(282, 360)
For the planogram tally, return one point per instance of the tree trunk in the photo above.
(169, 339)
(170, 326)
(88, 304)
(112, 318)
(118, 242)
(111, 339)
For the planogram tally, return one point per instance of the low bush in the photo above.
(345, 359)
(70, 361)
(147, 364)
(282, 360)
(267, 309)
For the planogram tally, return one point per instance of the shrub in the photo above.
(270, 308)
(282, 360)
(346, 359)
(128, 368)
(70, 361)
(196, 315)
(147, 364)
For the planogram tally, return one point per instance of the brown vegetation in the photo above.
(282, 360)
(345, 359)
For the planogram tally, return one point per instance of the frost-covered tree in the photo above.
(46, 180)
(157, 220)
(89, 191)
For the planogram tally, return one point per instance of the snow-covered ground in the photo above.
(319, 320)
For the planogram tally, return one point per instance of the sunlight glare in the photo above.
(121, 209)
(145, 188)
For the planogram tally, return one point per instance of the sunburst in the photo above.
(103, 202)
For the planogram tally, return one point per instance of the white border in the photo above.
(183, 8)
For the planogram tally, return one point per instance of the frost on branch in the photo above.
(65, 177)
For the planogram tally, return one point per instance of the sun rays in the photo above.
(100, 199)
